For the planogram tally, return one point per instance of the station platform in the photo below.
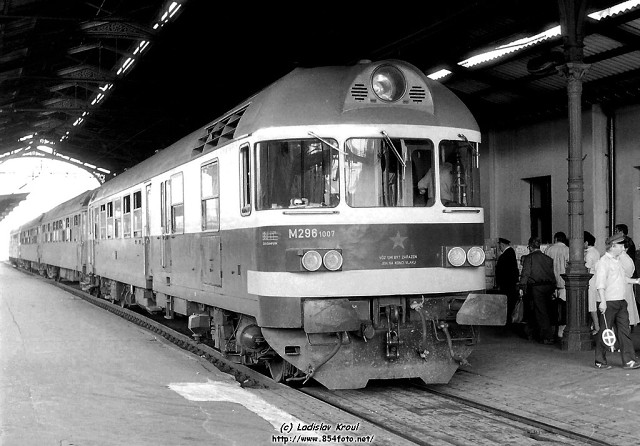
(74, 374)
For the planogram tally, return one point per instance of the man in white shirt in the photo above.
(559, 252)
(610, 283)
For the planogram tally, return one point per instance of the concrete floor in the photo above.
(74, 374)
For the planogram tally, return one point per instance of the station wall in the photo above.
(514, 156)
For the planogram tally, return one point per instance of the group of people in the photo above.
(612, 304)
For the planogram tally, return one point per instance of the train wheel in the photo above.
(280, 369)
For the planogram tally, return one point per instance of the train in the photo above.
(329, 227)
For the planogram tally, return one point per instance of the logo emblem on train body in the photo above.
(398, 240)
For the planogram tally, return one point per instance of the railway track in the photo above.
(427, 415)
(419, 414)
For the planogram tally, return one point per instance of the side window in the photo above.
(67, 229)
(103, 221)
(117, 213)
(177, 203)
(137, 214)
(96, 223)
(110, 219)
(245, 179)
(165, 189)
(126, 215)
(210, 196)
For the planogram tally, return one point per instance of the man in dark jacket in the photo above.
(507, 274)
(537, 283)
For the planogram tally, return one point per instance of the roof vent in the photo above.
(220, 132)
(359, 92)
(417, 94)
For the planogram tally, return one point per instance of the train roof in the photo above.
(69, 207)
(310, 96)
(31, 223)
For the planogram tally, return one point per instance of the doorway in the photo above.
(540, 207)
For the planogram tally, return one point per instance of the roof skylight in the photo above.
(520, 44)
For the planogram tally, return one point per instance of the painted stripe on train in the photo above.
(366, 282)
(364, 246)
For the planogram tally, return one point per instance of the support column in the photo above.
(577, 334)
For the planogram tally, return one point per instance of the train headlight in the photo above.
(388, 83)
(457, 256)
(312, 260)
(475, 256)
(332, 260)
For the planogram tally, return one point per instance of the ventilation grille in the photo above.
(359, 92)
(219, 132)
(417, 94)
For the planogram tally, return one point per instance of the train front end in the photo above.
(370, 250)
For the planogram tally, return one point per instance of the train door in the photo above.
(147, 233)
(165, 238)
(93, 234)
(76, 238)
(211, 246)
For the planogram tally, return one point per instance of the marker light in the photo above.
(332, 260)
(475, 256)
(388, 83)
(456, 256)
(311, 260)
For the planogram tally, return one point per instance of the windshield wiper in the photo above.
(390, 143)
(326, 142)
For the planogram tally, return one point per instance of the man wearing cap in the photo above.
(507, 274)
(539, 282)
(610, 283)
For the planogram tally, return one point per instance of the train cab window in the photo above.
(210, 197)
(137, 214)
(297, 173)
(385, 172)
(117, 218)
(126, 216)
(459, 173)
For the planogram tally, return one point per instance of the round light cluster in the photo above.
(388, 83)
(457, 256)
(312, 260)
(474, 255)
(332, 260)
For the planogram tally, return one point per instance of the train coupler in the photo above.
(393, 344)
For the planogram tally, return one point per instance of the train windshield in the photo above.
(297, 173)
(388, 172)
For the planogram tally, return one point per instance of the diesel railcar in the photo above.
(329, 227)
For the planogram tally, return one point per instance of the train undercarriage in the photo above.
(344, 342)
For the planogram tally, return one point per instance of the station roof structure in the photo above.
(106, 83)
(9, 201)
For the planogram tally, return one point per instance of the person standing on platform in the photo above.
(591, 257)
(559, 252)
(507, 274)
(629, 271)
(537, 284)
(630, 247)
(610, 283)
